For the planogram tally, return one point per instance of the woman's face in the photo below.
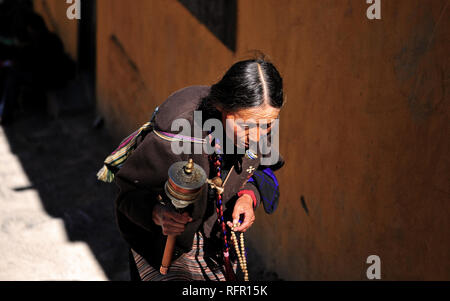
(249, 124)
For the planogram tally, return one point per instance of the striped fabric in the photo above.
(190, 266)
(176, 137)
(117, 158)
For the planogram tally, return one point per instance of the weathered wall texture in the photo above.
(54, 14)
(365, 130)
(145, 52)
(365, 135)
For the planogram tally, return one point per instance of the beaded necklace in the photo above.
(216, 159)
(242, 255)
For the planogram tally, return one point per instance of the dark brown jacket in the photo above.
(143, 176)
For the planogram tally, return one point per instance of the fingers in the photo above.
(172, 230)
(179, 218)
(238, 210)
(174, 223)
(248, 220)
(246, 224)
(244, 206)
(170, 227)
(167, 221)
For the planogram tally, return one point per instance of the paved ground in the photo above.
(56, 219)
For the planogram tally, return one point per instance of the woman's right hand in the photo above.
(171, 222)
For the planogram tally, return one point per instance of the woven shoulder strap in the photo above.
(117, 158)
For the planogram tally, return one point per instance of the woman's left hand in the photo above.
(244, 205)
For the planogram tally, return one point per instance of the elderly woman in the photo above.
(250, 91)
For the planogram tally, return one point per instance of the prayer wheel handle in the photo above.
(167, 257)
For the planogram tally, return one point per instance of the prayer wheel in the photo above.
(183, 187)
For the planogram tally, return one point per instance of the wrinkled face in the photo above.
(249, 124)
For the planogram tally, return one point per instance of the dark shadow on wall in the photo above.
(87, 46)
(219, 16)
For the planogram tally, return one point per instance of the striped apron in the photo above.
(190, 266)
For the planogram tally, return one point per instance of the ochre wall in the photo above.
(364, 130)
(145, 52)
(365, 135)
(55, 16)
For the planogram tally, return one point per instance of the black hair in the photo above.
(247, 84)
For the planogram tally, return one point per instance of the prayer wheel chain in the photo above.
(240, 253)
